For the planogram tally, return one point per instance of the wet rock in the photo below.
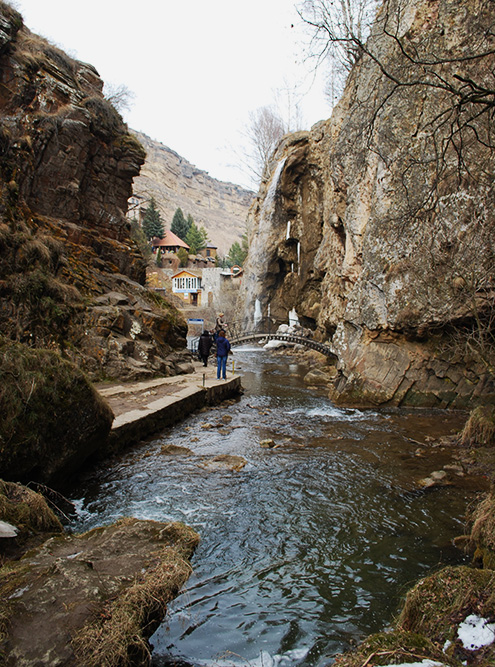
(173, 450)
(436, 478)
(225, 462)
(207, 425)
(320, 377)
(226, 419)
(267, 444)
(80, 600)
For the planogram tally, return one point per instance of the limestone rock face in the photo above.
(377, 225)
(220, 207)
(67, 162)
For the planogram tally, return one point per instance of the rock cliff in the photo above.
(377, 225)
(221, 208)
(70, 275)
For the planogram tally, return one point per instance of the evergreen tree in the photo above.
(238, 252)
(180, 226)
(183, 256)
(189, 222)
(196, 238)
(152, 221)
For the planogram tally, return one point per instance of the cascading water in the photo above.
(259, 251)
(287, 236)
(257, 313)
(293, 318)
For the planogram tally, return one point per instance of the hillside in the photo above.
(174, 182)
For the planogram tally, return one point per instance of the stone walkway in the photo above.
(146, 407)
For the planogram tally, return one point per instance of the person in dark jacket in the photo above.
(223, 349)
(204, 347)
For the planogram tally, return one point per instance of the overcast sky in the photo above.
(196, 67)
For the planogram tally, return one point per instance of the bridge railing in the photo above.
(306, 341)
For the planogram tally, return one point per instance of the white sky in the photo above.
(196, 67)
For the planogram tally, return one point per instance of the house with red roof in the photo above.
(169, 243)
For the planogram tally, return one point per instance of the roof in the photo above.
(170, 239)
(189, 273)
(211, 245)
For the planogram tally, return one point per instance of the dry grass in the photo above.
(483, 530)
(480, 427)
(392, 648)
(118, 635)
(437, 604)
(27, 509)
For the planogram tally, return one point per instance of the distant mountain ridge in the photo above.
(174, 182)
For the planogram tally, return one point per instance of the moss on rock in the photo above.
(437, 605)
(53, 418)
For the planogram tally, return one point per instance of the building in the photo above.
(169, 243)
(209, 251)
(188, 285)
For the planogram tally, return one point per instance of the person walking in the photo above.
(223, 349)
(204, 347)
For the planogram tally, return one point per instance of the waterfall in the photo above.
(287, 236)
(293, 318)
(257, 312)
(298, 258)
(260, 250)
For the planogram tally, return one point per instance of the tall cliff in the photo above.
(70, 275)
(221, 208)
(377, 225)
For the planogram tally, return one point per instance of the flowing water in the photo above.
(311, 545)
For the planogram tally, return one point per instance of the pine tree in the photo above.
(196, 239)
(238, 252)
(152, 221)
(180, 225)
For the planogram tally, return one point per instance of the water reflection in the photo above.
(311, 545)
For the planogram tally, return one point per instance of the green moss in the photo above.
(49, 410)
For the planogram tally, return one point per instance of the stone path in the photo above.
(145, 407)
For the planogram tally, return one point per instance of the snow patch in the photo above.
(475, 632)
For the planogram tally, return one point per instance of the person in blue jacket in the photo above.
(223, 349)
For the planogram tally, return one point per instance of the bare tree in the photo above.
(262, 135)
(338, 28)
(120, 96)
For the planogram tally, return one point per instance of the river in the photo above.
(311, 545)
